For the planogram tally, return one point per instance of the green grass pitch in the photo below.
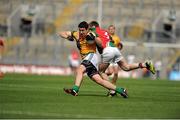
(33, 96)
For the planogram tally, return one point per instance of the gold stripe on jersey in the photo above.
(83, 46)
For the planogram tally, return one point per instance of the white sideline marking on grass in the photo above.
(47, 114)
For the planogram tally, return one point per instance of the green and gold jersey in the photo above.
(82, 45)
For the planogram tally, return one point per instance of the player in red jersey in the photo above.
(102, 33)
(110, 53)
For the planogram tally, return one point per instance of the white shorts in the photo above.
(93, 58)
(111, 55)
(74, 63)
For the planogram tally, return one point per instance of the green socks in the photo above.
(76, 88)
(119, 90)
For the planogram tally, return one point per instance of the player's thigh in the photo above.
(97, 78)
(81, 69)
(103, 67)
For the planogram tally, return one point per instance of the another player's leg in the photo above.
(95, 76)
(115, 76)
(109, 70)
(128, 67)
(98, 79)
(107, 57)
(102, 68)
(115, 67)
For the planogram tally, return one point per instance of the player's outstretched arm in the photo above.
(65, 34)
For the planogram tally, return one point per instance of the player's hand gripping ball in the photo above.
(90, 38)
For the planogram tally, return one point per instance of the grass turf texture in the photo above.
(32, 96)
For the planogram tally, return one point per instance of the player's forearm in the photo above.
(120, 46)
(63, 35)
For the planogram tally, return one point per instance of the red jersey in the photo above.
(104, 35)
(74, 55)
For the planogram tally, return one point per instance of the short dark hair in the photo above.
(94, 23)
(83, 24)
